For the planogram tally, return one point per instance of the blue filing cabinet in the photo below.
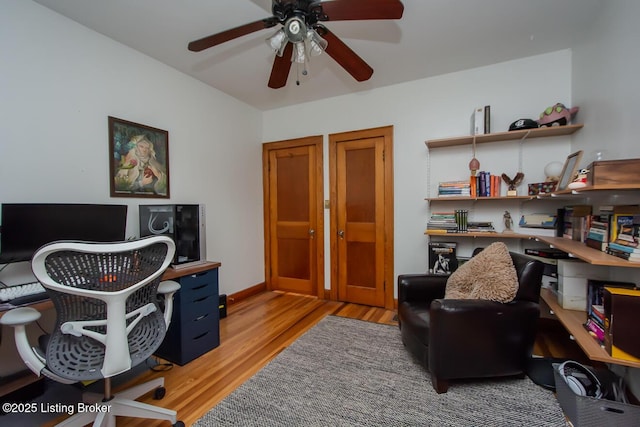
(194, 328)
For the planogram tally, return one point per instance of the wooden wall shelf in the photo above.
(487, 235)
(581, 251)
(595, 188)
(573, 322)
(475, 199)
(503, 136)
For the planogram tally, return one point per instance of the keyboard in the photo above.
(23, 294)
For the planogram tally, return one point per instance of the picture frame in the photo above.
(138, 160)
(569, 170)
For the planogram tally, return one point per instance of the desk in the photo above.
(194, 328)
(177, 274)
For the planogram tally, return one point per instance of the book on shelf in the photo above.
(473, 185)
(596, 244)
(462, 216)
(547, 253)
(623, 215)
(454, 189)
(624, 248)
(628, 233)
(598, 234)
(622, 254)
(486, 184)
(595, 330)
(538, 220)
(487, 119)
(481, 120)
(595, 293)
(597, 313)
(575, 222)
(480, 227)
(442, 257)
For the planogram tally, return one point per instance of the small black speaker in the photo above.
(222, 306)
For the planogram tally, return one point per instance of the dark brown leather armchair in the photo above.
(456, 339)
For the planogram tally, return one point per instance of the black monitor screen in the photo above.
(28, 226)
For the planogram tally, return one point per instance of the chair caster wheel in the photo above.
(159, 393)
(178, 424)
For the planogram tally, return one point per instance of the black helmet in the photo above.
(523, 124)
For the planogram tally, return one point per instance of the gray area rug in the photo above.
(346, 372)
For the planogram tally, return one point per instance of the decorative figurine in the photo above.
(508, 222)
(580, 180)
(513, 183)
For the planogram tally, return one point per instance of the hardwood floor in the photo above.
(256, 330)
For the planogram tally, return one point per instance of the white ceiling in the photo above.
(433, 37)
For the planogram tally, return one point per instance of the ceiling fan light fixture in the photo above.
(277, 42)
(299, 53)
(317, 44)
(295, 29)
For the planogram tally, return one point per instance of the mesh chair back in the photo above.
(89, 282)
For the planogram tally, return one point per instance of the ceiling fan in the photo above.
(302, 34)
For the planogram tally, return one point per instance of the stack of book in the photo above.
(625, 236)
(595, 322)
(574, 222)
(449, 222)
(454, 189)
(595, 306)
(480, 227)
(444, 222)
(598, 234)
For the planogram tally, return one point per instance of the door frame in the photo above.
(386, 133)
(267, 147)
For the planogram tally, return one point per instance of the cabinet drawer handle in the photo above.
(200, 336)
(201, 299)
(200, 317)
(201, 286)
(199, 274)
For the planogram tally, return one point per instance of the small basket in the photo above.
(585, 411)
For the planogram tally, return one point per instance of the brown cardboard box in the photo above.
(621, 307)
(607, 172)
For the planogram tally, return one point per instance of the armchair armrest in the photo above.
(421, 287)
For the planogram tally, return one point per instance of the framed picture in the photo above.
(138, 160)
(569, 170)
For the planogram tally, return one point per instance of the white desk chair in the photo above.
(109, 319)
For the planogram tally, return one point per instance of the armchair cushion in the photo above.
(490, 275)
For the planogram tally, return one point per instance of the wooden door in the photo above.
(294, 255)
(361, 181)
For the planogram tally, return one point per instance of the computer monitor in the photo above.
(185, 224)
(27, 226)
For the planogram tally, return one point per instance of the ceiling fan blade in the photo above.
(281, 68)
(225, 36)
(343, 55)
(344, 10)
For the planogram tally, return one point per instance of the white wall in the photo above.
(606, 66)
(59, 82)
(436, 108)
(605, 73)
